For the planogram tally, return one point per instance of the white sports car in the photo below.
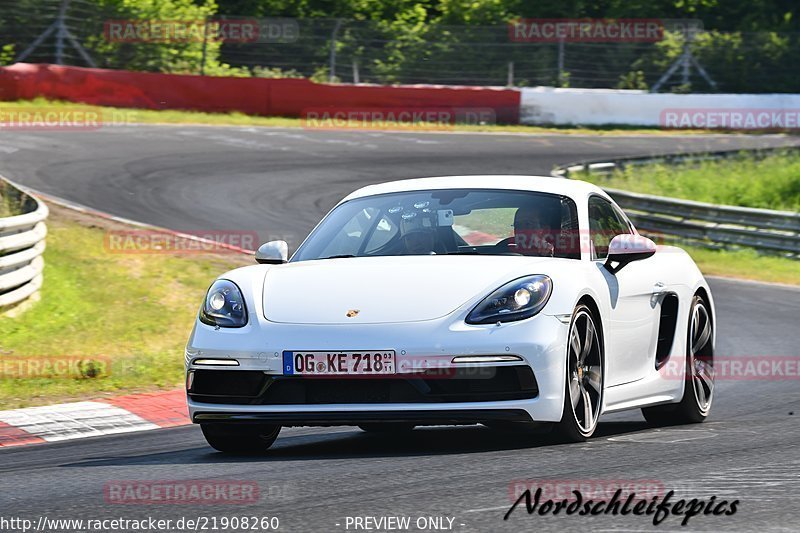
(509, 301)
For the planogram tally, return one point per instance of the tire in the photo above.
(583, 379)
(698, 393)
(386, 428)
(240, 439)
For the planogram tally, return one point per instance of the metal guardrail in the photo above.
(22, 242)
(699, 223)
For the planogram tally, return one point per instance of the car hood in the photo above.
(376, 290)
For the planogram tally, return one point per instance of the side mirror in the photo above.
(626, 248)
(273, 253)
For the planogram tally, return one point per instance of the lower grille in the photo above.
(460, 385)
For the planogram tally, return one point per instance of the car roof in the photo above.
(575, 189)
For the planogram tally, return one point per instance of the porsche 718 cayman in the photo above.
(509, 301)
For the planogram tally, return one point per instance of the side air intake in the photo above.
(666, 328)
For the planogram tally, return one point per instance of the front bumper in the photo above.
(349, 418)
(539, 342)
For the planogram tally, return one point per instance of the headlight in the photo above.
(224, 306)
(517, 300)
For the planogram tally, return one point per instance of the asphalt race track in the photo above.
(279, 182)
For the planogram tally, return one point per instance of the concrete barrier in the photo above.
(599, 107)
(255, 96)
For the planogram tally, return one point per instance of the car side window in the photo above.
(604, 224)
(623, 219)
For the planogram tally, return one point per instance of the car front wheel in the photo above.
(584, 378)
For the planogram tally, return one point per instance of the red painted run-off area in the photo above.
(164, 409)
(256, 96)
(11, 436)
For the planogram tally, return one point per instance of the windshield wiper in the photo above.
(342, 256)
(464, 252)
(473, 252)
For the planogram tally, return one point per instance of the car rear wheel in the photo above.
(584, 378)
(699, 390)
(387, 427)
(244, 439)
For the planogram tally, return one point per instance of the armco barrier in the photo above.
(22, 241)
(256, 96)
(701, 224)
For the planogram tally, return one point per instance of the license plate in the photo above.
(339, 363)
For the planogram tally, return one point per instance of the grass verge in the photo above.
(134, 310)
(121, 116)
(771, 182)
(746, 264)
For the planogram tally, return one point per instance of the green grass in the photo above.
(135, 310)
(5, 208)
(772, 182)
(111, 116)
(746, 264)
(497, 221)
(11, 201)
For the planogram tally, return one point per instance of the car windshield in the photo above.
(447, 221)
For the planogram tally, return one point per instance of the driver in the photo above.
(530, 232)
(418, 235)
